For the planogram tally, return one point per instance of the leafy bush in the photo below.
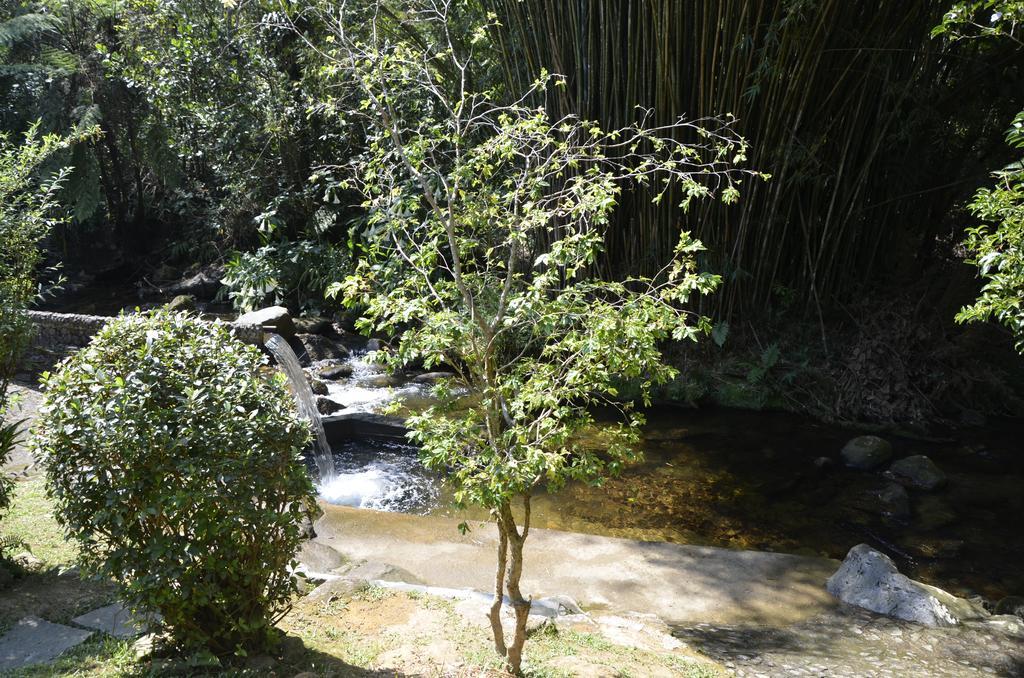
(175, 464)
(294, 274)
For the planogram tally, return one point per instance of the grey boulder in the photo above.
(869, 579)
(326, 406)
(866, 452)
(335, 372)
(314, 348)
(317, 386)
(1011, 605)
(182, 302)
(275, 319)
(919, 472)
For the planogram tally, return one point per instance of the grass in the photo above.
(420, 634)
(31, 520)
(49, 590)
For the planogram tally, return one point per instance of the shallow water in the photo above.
(749, 480)
(370, 388)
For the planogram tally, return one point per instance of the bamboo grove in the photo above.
(858, 115)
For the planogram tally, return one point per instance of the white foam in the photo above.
(362, 489)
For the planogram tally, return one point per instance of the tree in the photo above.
(27, 213)
(485, 221)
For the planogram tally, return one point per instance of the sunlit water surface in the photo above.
(739, 479)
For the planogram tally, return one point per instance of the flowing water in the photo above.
(289, 364)
(751, 480)
(381, 475)
(370, 388)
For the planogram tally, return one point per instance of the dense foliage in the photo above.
(289, 273)
(485, 220)
(217, 122)
(27, 213)
(997, 246)
(174, 462)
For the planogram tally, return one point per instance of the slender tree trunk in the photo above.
(499, 584)
(520, 605)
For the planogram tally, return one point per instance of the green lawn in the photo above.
(31, 520)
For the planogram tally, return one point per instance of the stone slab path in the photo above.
(114, 620)
(34, 640)
(849, 642)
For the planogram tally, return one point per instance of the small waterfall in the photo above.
(288, 362)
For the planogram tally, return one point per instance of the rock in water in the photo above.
(313, 348)
(312, 325)
(317, 386)
(182, 302)
(275, 319)
(336, 372)
(870, 580)
(202, 285)
(866, 452)
(918, 471)
(326, 406)
(1011, 605)
(893, 501)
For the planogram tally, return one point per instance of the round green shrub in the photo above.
(175, 462)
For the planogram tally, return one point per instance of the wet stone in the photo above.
(918, 472)
(866, 452)
(326, 406)
(1011, 605)
(335, 372)
(317, 386)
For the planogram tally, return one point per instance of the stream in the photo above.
(740, 479)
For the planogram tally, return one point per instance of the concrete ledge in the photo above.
(677, 582)
(346, 426)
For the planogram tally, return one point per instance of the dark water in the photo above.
(749, 480)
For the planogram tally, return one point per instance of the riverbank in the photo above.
(349, 626)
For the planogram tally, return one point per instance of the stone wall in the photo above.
(56, 333)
